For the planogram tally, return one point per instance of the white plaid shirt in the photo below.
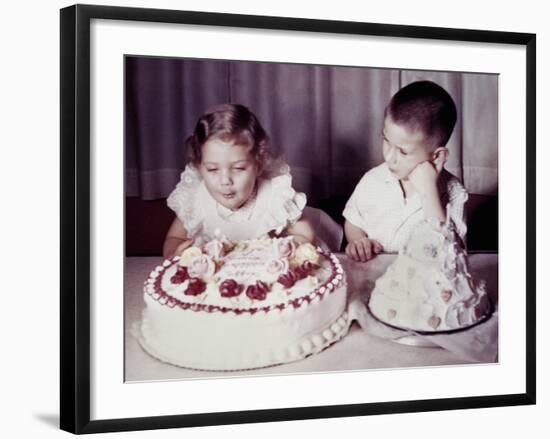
(379, 207)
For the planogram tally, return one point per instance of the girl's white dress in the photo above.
(274, 207)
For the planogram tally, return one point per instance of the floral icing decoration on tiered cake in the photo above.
(428, 287)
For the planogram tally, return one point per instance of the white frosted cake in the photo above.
(242, 305)
(428, 286)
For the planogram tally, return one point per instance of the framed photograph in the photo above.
(172, 317)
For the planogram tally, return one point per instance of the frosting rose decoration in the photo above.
(285, 248)
(201, 266)
(276, 266)
(188, 254)
(214, 249)
(306, 252)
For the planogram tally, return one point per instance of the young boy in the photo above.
(411, 184)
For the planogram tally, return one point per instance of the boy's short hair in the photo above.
(424, 106)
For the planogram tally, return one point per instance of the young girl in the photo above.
(229, 189)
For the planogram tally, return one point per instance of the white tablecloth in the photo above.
(358, 350)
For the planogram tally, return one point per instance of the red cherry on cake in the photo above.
(257, 291)
(195, 287)
(181, 275)
(230, 288)
(305, 269)
(287, 279)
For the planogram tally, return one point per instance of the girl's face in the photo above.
(403, 149)
(229, 172)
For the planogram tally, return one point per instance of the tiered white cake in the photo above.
(242, 305)
(428, 287)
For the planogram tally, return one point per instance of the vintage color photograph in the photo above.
(286, 218)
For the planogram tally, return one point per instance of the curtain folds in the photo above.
(325, 121)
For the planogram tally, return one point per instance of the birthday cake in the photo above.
(428, 286)
(243, 305)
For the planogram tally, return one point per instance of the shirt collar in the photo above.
(441, 181)
(387, 175)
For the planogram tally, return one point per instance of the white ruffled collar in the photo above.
(274, 206)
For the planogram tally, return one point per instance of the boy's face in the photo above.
(403, 149)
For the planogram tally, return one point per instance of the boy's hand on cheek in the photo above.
(424, 178)
(363, 249)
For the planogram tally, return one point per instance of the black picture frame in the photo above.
(75, 212)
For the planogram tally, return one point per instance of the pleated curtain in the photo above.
(326, 121)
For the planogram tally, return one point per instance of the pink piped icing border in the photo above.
(335, 279)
